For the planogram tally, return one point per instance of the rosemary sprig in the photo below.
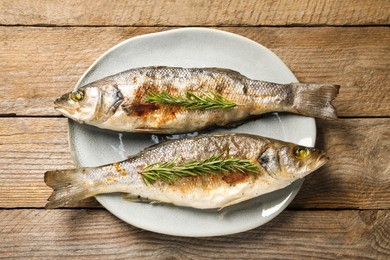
(191, 101)
(170, 171)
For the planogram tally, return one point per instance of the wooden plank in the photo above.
(28, 148)
(191, 13)
(291, 235)
(38, 64)
(358, 175)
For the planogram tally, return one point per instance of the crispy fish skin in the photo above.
(278, 163)
(118, 102)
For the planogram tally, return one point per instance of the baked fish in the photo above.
(207, 171)
(173, 100)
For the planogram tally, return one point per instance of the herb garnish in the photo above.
(171, 171)
(191, 101)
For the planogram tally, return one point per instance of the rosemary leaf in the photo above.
(191, 101)
(170, 172)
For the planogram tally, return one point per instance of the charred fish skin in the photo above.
(274, 165)
(136, 100)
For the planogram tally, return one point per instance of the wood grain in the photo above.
(358, 175)
(28, 148)
(358, 150)
(190, 12)
(291, 235)
(39, 64)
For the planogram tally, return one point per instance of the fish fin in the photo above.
(66, 186)
(232, 202)
(239, 123)
(314, 100)
(149, 148)
(230, 72)
(131, 197)
(154, 130)
(134, 198)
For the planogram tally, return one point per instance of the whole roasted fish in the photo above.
(207, 171)
(176, 100)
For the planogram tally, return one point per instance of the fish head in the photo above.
(89, 104)
(290, 161)
(79, 105)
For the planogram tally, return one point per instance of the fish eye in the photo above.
(300, 152)
(77, 95)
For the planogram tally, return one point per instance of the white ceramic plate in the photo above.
(193, 47)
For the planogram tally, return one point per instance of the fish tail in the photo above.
(314, 100)
(67, 187)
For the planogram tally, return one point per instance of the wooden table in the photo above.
(341, 211)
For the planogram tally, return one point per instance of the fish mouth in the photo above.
(57, 104)
(61, 101)
(68, 113)
(321, 160)
(62, 106)
(62, 110)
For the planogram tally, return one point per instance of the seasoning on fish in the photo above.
(177, 100)
(207, 171)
